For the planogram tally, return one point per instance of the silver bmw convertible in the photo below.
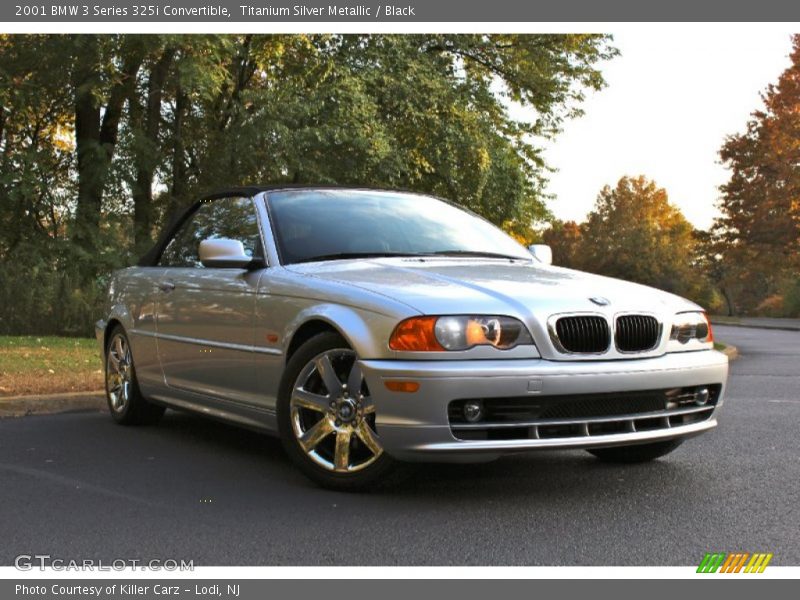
(366, 327)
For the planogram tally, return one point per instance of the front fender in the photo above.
(366, 332)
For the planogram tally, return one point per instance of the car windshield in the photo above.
(313, 225)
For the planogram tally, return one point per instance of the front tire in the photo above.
(326, 416)
(636, 454)
(125, 400)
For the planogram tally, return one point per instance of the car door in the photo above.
(205, 316)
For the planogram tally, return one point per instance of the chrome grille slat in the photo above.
(585, 415)
(597, 332)
(591, 420)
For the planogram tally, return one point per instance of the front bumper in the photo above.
(415, 426)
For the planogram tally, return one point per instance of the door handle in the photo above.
(166, 286)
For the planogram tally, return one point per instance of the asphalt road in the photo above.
(77, 486)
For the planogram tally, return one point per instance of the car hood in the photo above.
(475, 286)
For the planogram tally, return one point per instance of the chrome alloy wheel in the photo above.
(119, 373)
(332, 414)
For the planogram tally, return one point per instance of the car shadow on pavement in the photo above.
(538, 474)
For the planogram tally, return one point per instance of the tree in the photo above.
(36, 153)
(413, 111)
(759, 231)
(635, 233)
(145, 124)
(103, 137)
(709, 260)
(100, 89)
(566, 240)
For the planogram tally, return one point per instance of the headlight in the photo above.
(432, 334)
(691, 327)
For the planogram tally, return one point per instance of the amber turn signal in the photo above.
(415, 335)
(402, 386)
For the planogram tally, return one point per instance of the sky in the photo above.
(672, 96)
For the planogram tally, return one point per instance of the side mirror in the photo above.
(222, 253)
(542, 252)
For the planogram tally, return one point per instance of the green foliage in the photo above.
(44, 289)
(103, 137)
(791, 299)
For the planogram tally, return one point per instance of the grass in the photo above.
(719, 346)
(48, 365)
(723, 319)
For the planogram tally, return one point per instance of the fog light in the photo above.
(702, 396)
(473, 411)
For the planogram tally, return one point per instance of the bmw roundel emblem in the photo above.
(600, 301)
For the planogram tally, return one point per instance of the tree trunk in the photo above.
(87, 142)
(179, 184)
(728, 301)
(147, 158)
(2, 123)
(96, 139)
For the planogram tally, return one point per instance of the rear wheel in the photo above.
(327, 418)
(125, 400)
(636, 454)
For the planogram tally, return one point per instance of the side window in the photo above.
(233, 218)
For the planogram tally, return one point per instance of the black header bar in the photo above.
(459, 11)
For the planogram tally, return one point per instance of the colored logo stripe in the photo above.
(711, 562)
(734, 562)
(758, 563)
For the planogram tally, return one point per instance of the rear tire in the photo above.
(125, 400)
(326, 417)
(636, 454)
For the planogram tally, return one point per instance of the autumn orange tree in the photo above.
(634, 232)
(756, 241)
(565, 238)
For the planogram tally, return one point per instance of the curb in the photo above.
(51, 404)
(732, 352)
(754, 326)
(48, 404)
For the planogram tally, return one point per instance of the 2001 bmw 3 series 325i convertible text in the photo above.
(367, 326)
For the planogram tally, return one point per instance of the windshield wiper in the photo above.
(387, 254)
(475, 253)
(351, 255)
